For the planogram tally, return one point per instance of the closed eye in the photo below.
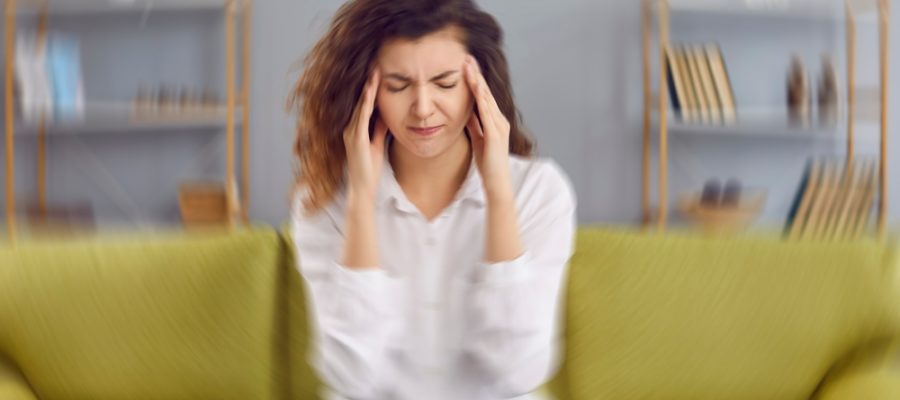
(443, 85)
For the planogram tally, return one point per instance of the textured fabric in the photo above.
(12, 384)
(223, 316)
(178, 316)
(684, 317)
(872, 373)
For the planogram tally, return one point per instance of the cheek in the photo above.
(458, 105)
(392, 110)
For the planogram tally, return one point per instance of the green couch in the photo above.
(210, 315)
(221, 316)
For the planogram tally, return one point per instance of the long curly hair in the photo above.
(336, 69)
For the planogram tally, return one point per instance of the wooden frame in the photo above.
(10, 42)
(235, 208)
(662, 17)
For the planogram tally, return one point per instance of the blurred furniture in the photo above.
(203, 204)
(220, 315)
(766, 124)
(681, 316)
(215, 314)
(721, 218)
(102, 117)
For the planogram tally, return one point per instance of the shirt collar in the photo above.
(390, 192)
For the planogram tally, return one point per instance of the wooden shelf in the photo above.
(89, 7)
(768, 126)
(811, 10)
(120, 119)
(774, 128)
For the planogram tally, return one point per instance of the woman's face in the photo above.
(423, 97)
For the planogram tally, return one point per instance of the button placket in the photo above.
(431, 307)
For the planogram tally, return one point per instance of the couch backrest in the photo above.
(176, 316)
(685, 317)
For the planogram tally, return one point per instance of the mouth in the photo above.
(425, 131)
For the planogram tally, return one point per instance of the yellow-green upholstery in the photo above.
(220, 315)
(178, 316)
(688, 317)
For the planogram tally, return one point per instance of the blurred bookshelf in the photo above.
(45, 96)
(800, 10)
(691, 100)
(88, 7)
(122, 119)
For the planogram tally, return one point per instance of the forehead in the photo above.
(431, 54)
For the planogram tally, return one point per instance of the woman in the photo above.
(432, 245)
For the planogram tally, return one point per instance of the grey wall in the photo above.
(576, 67)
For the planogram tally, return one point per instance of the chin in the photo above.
(425, 149)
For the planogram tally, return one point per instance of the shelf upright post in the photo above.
(883, 25)
(230, 189)
(851, 83)
(663, 15)
(10, 42)
(646, 27)
(246, 15)
(42, 125)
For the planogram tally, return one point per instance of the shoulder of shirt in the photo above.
(540, 179)
(331, 214)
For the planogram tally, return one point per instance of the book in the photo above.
(821, 197)
(841, 193)
(706, 82)
(676, 86)
(32, 80)
(690, 107)
(801, 200)
(864, 208)
(809, 187)
(722, 83)
(851, 197)
(697, 85)
(64, 63)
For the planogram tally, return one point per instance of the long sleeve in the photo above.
(352, 311)
(514, 307)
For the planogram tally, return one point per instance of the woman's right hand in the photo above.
(365, 156)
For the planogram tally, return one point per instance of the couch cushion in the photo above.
(12, 384)
(685, 317)
(177, 316)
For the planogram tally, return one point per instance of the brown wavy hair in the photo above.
(336, 69)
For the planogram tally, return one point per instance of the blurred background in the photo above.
(134, 99)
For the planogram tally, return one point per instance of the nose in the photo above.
(424, 104)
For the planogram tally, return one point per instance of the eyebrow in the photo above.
(406, 79)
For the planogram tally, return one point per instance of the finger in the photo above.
(487, 105)
(479, 92)
(367, 101)
(359, 109)
(497, 118)
(370, 94)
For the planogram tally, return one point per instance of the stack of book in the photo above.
(699, 86)
(834, 200)
(49, 84)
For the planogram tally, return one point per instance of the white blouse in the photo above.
(435, 321)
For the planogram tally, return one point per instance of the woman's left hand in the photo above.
(489, 131)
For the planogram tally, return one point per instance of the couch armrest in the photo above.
(871, 373)
(13, 385)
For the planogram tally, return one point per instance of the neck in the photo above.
(435, 179)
